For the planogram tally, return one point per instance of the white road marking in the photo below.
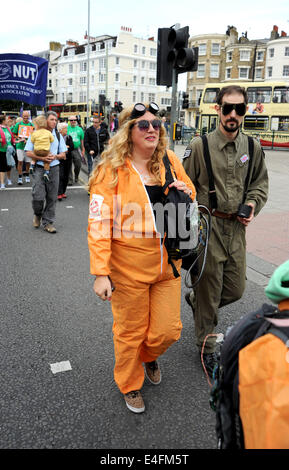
(4, 210)
(63, 366)
(69, 207)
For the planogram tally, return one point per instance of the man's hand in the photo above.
(102, 287)
(249, 219)
(50, 157)
(91, 152)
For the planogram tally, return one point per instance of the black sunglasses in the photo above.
(240, 108)
(140, 109)
(144, 124)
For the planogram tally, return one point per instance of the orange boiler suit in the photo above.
(124, 244)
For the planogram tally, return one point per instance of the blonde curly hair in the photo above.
(120, 147)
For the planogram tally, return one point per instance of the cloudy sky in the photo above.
(29, 26)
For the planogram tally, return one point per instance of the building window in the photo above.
(143, 51)
(92, 79)
(202, 49)
(260, 56)
(135, 49)
(117, 61)
(50, 70)
(134, 79)
(285, 70)
(50, 83)
(271, 52)
(142, 96)
(56, 82)
(216, 49)
(269, 72)
(70, 81)
(70, 68)
(82, 96)
(152, 81)
(116, 95)
(214, 71)
(153, 65)
(143, 64)
(228, 72)
(244, 55)
(142, 80)
(243, 72)
(153, 52)
(117, 77)
(152, 97)
(102, 63)
(286, 51)
(101, 77)
(134, 96)
(92, 64)
(83, 66)
(82, 80)
(201, 71)
(258, 72)
(135, 63)
(229, 56)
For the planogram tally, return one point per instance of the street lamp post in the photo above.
(88, 55)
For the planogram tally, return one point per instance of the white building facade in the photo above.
(277, 61)
(123, 68)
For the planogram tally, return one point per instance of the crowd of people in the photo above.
(129, 261)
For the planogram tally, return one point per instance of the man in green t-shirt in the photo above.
(22, 134)
(77, 134)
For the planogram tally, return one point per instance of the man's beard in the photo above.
(231, 129)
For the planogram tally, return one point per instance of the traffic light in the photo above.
(118, 106)
(185, 104)
(173, 52)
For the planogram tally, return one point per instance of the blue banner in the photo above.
(24, 78)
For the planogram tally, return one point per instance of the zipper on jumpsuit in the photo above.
(155, 227)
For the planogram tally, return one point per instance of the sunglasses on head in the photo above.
(240, 108)
(140, 109)
(144, 124)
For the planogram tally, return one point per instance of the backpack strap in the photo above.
(213, 202)
(251, 154)
(58, 138)
(279, 333)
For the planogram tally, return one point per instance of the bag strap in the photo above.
(251, 154)
(58, 138)
(169, 176)
(213, 201)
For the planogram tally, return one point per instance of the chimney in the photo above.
(274, 33)
(283, 34)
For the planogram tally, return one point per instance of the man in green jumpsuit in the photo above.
(223, 280)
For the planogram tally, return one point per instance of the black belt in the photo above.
(42, 166)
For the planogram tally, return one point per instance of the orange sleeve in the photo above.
(180, 172)
(100, 223)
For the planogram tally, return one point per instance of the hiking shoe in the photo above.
(153, 372)
(20, 181)
(27, 179)
(46, 177)
(210, 362)
(134, 401)
(49, 228)
(36, 221)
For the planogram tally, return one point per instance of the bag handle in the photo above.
(169, 177)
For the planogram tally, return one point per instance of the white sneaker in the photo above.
(20, 180)
(9, 182)
(27, 179)
(2, 186)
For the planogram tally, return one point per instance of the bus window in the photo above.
(261, 94)
(204, 124)
(211, 95)
(281, 94)
(213, 123)
(256, 123)
(280, 123)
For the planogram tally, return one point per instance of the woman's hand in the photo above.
(181, 186)
(102, 287)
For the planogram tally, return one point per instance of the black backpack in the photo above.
(224, 397)
(178, 224)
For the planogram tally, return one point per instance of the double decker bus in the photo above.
(79, 110)
(57, 108)
(267, 117)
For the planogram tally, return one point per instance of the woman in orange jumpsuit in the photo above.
(127, 250)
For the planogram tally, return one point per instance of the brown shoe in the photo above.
(134, 401)
(49, 228)
(36, 221)
(153, 372)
